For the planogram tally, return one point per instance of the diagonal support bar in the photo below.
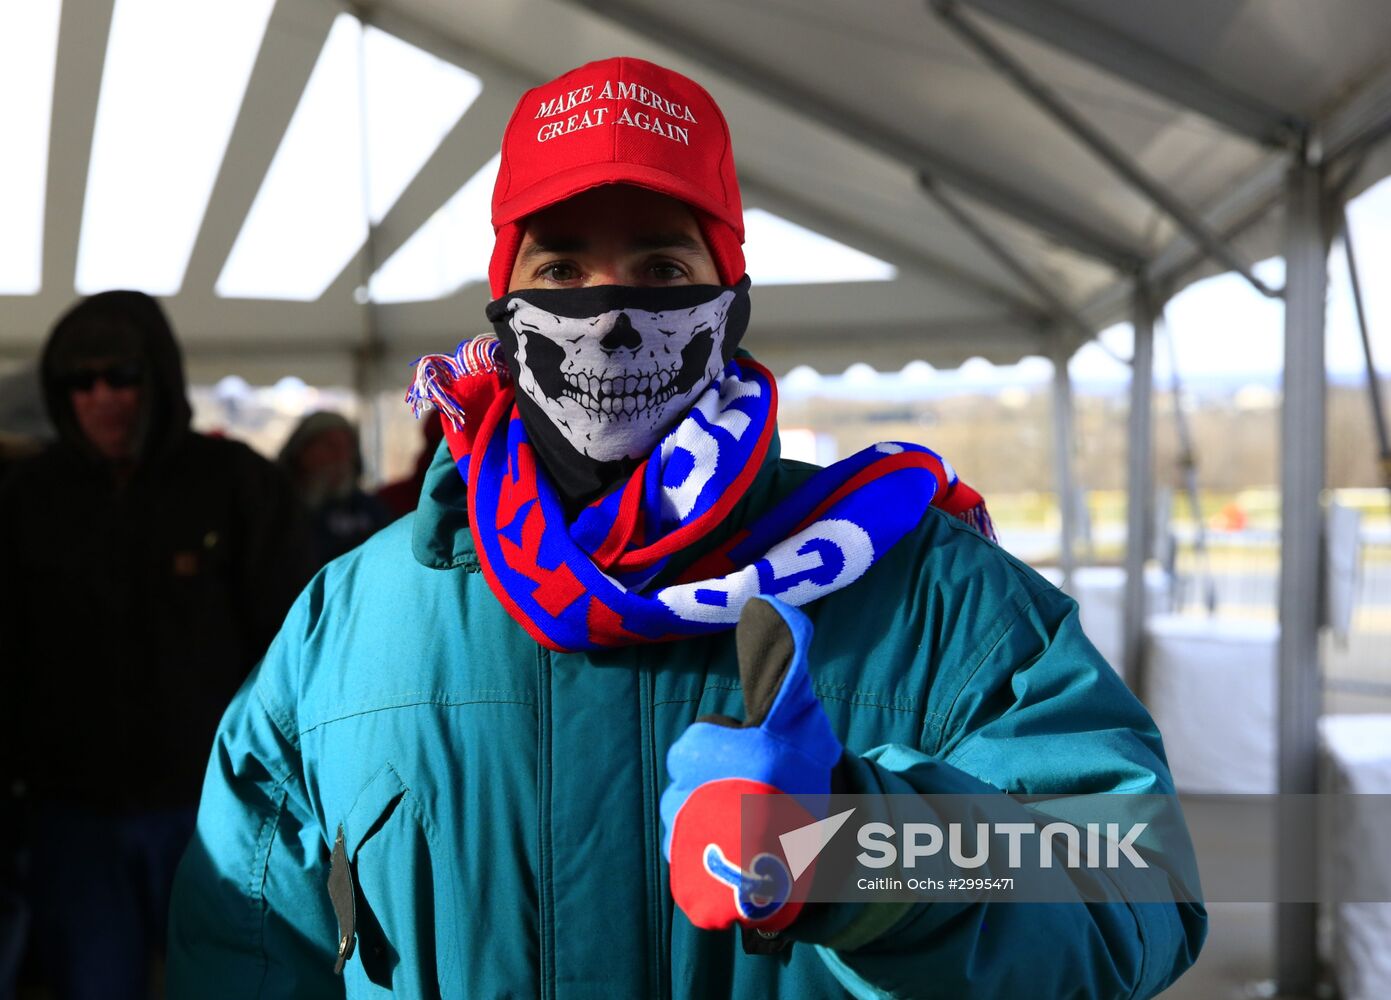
(977, 230)
(82, 40)
(293, 39)
(1188, 468)
(1102, 147)
(1066, 231)
(460, 154)
(827, 221)
(1132, 60)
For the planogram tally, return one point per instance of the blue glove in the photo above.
(784, 746)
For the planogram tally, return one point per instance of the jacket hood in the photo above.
(311, 427)
(119, 326)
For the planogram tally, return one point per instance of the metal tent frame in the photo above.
(1308, 206)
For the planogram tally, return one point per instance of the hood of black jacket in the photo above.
(122, 326)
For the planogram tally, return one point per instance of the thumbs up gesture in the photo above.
(784, 746)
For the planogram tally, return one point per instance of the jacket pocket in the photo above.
(394, 892)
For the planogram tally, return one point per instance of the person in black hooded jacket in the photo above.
(144, 568)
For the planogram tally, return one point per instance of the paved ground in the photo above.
(1237, 958)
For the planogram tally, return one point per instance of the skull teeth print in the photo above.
(612, 384)
(622, 395)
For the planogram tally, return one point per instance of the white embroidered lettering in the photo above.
(567, 102)
(656, 124)
(575, 123)
(798, 559)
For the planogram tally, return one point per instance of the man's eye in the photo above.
(667, 271)
(559, 271)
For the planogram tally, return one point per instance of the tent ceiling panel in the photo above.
(1132, 57)
(1073, 277)
(879, 196)
(835, 116)
(1302, 57)
(82, 34)
(852, 307)
(927, 92)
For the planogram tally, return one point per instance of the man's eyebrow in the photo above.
(540, 248)
(668, 241)
(653, 241)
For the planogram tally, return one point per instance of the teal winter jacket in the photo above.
(499, 802)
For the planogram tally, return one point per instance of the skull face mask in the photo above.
(612, 368)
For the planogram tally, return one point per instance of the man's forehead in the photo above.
(630, 217)
(100, 361)
(617, 203)
(542, 240)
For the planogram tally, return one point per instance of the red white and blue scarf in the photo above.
(589, 583)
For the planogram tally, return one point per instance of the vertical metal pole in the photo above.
(1064, 470)
(1188, 466)
(1139, 488)
(1302, 428)
(1373, 381)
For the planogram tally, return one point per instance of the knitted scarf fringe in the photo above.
(435, 375)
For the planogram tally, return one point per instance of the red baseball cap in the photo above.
(618, 121)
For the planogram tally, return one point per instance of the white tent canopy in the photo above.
(880, 126)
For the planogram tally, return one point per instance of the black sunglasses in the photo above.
(121, 376)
